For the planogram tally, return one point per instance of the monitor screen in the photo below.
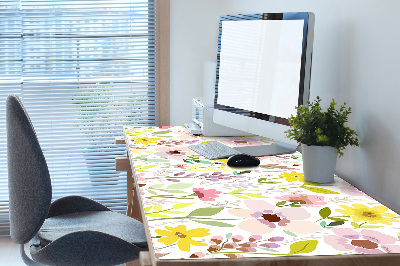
(260, 64)
(263, 71)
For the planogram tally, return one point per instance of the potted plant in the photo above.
(323, 135)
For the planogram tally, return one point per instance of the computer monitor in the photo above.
(263, 72)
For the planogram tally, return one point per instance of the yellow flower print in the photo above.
(183, 236)
(204, 168)
(221, 160)
(137, 132)
(141, 151)
(293, 176)
(145, 140)
(374, 215)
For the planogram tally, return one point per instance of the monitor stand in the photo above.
(264, 150)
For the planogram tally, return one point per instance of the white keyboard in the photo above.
(214, 150)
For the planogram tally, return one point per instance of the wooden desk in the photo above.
(199, 211)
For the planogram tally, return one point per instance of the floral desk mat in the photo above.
(200, 208)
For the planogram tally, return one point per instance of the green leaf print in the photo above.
(175, 191)
(206, 211)
(335, 223)
(181, 205)
(172, 212)
(325, 212)
(161, 132)
(240, 196)
(180, 186)
(303, 247)
(290, 233)
(214, 223)
(237, 191)
(320, 190)
(255, 195)
(267, 181)
(155, 186)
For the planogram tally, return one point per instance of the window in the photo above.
(82, 69)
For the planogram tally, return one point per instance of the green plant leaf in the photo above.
(302, 247)
(206, 211)
(214, 223)
(181, 205)
(325, 212)
(312, 126)
(320, 190)
(229, 235)
(180, 186)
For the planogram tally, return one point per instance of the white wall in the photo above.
(356, 60)
(194, 41)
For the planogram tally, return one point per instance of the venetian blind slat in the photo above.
(83, 69)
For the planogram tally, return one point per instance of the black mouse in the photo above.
(242, 160)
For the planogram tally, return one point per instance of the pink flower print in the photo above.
(206, 194)
(241, 141)
(215, 176)
(185, 136)
(304, 199)
(181, 166)
(140, 177)
(271, 243)
(171, 153)
(353, 191)
(363, 242)
(262, 218)
(247, 247)
(254, 238)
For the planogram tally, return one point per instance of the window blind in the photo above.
(82, 69)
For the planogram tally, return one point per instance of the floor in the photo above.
(9, 253)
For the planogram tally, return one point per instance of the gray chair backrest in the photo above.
(29, 183)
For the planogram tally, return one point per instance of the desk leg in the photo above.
(129, 192)
(132, 198)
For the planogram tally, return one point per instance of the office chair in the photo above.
(70, 231)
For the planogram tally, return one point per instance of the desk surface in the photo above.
(200, 209)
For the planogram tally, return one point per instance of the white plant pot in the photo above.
(319, 163)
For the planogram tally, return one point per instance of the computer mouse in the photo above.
(242, 160)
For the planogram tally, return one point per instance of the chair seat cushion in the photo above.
(107, 222)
